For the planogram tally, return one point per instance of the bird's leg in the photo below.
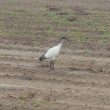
(42, 64)
(53, 64)
(50, 64)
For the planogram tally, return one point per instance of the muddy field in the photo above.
(81, 80)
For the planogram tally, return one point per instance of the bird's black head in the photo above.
(65, 39)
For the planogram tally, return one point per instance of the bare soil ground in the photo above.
(81, 80)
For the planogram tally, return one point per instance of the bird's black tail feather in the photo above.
(42, 58)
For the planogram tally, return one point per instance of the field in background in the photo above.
(81, 80)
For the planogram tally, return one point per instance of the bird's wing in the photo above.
(52, 52)
(42, 56)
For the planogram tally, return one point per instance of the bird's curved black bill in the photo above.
(67, 39)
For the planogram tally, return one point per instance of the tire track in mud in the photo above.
(77, 83)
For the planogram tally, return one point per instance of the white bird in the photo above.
(53, 52)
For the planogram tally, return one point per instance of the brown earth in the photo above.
(81, 80)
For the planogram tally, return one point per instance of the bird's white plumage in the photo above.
(53, 52)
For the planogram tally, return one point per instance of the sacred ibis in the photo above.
(53, 52)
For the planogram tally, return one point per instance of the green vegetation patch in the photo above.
(20, 18)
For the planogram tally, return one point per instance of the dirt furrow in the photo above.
(95, 64)
(80, 95)
(86, 52)
(82, 78)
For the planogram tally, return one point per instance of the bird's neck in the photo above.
(60, 43)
